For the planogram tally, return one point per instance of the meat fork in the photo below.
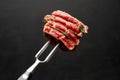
(28, 72)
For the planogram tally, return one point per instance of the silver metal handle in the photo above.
(29, 71)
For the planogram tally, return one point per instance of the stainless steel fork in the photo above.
(29, 71)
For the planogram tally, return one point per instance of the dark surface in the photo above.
(96, 58)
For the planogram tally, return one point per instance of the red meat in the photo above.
(69, 25)
(70, 18)
(59, 36)
(61, 27)
(63, 30)
(66, 16)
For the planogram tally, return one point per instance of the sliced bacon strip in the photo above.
(64, 30)
(59, 36)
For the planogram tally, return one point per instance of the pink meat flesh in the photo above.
(65, 16)
(69, 25)
(69, 18)
(64, 30)
(59, 36)
(61, 26)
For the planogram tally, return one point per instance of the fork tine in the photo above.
(51, 53)
(42, 49)
(27, 73)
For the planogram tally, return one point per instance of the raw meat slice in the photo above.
(61, 27)
(70, 18)
(69, 25)
(59, 36)
(63, 30)
(65, 16)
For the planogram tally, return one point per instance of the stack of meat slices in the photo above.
(61, 27)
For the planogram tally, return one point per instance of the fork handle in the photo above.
(25, 76)
(29, 71)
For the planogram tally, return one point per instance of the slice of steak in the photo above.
(70, 45)
(53, 32)
(70, 18)
(69, 25)
(59, 37)
(64, 31)
(61, 27)
(66, 16)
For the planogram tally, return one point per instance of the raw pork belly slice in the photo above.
(61, 27)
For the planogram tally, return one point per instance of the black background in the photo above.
(96, 58)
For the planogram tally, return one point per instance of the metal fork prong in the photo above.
(42, 49)
(27, 73)
(51, 53)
